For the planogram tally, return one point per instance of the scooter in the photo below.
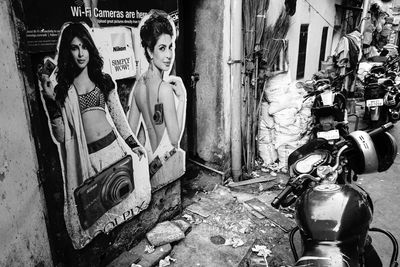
(333, 214)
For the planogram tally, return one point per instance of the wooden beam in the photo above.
(251, 181)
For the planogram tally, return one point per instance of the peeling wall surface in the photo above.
(23, 234)
(213, 88)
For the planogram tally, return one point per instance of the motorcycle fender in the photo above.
(375, 112)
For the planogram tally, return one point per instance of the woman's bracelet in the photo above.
(131, 142)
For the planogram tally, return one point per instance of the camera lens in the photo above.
(157, 116)
(119, 189)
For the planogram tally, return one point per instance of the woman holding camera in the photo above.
(79, 107)
(160, 101)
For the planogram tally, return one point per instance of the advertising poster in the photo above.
(108, 172)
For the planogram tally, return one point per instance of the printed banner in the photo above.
(44, 18)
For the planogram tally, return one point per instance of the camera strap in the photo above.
(158, 94)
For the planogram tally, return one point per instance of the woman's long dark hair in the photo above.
(156, 25)
(67, 68)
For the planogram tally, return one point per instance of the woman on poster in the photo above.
(158, 101)
(88, 122)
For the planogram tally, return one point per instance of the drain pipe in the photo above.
(235, 72)
(364, 17)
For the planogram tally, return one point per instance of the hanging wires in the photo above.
(329, 24)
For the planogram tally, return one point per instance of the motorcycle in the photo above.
(328, 109)
(333, 214)
(382, 96)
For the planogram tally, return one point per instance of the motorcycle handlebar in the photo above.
(282, 195)
(340, 77)
(381, 129)
(391, 62)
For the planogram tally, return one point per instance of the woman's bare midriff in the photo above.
(95, 125)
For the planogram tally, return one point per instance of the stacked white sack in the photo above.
(291, 120)
(266, 136)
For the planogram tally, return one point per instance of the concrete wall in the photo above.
(212, 42)
(305, 14)
(23, 233)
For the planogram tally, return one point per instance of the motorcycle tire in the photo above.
(371, 257)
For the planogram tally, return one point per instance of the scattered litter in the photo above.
(273, 173)
(228, 181)
(149, 249)
(166, 261)
(264, 169)
(234, 242)
(198, 221)
(243, 230)
(254, 174)
(135, 265)
(288, 216)
(188, 217)
(263, 252)
(260, 187)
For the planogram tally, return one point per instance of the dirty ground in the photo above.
(229, 225)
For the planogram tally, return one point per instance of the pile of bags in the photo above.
(285, 121)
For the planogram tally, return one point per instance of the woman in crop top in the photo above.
(160, 102)
(78, 108)
(80, 70)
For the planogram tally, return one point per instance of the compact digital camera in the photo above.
(48, 67)
(158, 116)
(155, 165)
(100, 193)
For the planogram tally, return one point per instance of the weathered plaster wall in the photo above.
(212, 43)
(307, 15)
(23, 234)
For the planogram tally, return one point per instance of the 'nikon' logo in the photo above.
(119, 48)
